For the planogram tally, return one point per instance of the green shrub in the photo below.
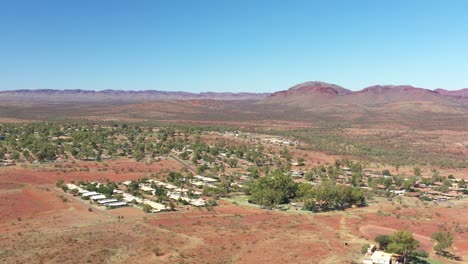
(364, 248)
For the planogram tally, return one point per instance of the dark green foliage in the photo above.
(383, 241)
(421, 254)
(364, 248)
(272, 190)
(402, 242)
(443, 240)
(44, 141)
(254, 173)
(214, 192)
(175, 177)
(59, 183)
(147, 208)
(133, 187)
(329, 195)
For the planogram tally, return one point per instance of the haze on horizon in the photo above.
(239, 46)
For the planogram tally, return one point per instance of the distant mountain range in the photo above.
(378, 105)
(121, 95)
(308, 94)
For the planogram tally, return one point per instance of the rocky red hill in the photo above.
(460, 93)
(318, 94)
(308, 94)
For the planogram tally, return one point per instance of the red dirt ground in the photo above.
(422, 220)
(37, 226)
(119, 170)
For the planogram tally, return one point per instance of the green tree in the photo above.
(443, 240)
(59, 183)
(403, 243)
(273, 190)
(138, 155)
(15, 155)
(383, 241)
(147, 208)
(364, 248)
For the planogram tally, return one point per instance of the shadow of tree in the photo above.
(449, 255)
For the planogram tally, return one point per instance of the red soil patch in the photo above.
(372, 231)
(423, 222)
(120, 170)
(10, 186)
(27, 203)
(248, 235)
(127, 212)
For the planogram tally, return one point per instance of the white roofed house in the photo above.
(74, 188)
(157, 207)
(205, 179)
(89, 194)
(129, 198)
(116, 204)
(106, 201)
(198, 183)
(174, 196)
(146, 188)
(181, 190)
(170, 186)
(71, 186)
(126, 183)
(81, 191)
(380, 257)
(97, 197)
(197, 202)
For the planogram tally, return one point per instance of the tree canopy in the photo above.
(272, 190)
(443, 240)
(402, 242)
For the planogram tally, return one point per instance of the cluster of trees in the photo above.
(279, 188)
(213, 159)
(403, 243)
(30, 141)
(333, 171)
(47, 141)
(44, 141)
(330, 140)
(106, 189)
(328, 196)
(272, 190)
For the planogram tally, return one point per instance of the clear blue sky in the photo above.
(257, 46)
